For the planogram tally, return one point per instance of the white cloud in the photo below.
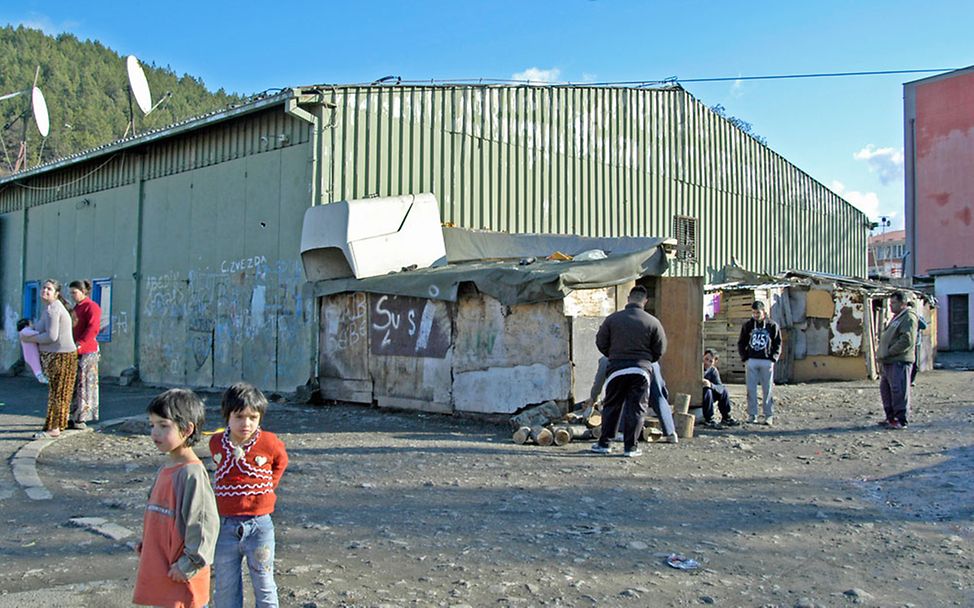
(887, 163)
(537, 76)
(867, 202)
(38, 21)
(589, 77)
(737, 89)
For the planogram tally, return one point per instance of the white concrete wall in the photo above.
(951, 285)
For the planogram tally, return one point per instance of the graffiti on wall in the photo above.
(411, 327)
(248, 302)
(351, 325)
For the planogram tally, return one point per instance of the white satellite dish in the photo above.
(41, 118)
(138, 85)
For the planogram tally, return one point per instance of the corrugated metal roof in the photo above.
(252, 105)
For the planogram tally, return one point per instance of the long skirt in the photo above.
(61, 370)
(84, 405)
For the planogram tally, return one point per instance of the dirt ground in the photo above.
(402, 509)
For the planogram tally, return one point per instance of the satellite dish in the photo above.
(138, 84)
(39, 107)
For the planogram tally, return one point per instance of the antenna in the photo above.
(42, 120)
(138, 89)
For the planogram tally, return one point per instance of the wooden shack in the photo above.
(830, 325)
(492, 336)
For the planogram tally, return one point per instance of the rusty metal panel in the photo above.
(847, 325)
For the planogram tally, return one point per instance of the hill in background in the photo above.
(86, 89)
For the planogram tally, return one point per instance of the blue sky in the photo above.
(845, 132)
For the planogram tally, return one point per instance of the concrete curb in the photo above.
(24, 465)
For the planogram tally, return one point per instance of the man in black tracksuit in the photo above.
(633, 340)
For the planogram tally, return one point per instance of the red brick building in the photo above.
(939, 163)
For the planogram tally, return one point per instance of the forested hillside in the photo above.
(86, 88)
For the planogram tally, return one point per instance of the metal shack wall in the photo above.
(590, 161)
(202, 230)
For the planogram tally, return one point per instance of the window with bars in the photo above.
(685, 231)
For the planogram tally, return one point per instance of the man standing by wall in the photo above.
(897, 354)
(633, 340)
(759, 346)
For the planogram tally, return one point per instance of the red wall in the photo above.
(944, 225)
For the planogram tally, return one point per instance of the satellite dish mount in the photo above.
(42, 119)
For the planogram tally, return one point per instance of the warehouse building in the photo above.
(192, 232)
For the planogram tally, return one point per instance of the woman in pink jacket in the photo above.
(59, 356)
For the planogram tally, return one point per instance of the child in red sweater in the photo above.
(250, 462)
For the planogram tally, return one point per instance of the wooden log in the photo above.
(594, 420)
(580, 431)
(561, 436)
(681, 404)
(652, 435)
(522, 435)
(542, 436)
(684, 425)
(653, 423)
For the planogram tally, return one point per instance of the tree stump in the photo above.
(561, 436)
(684, 425)
(522, 435)
(542, 436)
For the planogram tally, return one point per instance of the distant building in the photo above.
(885, 254)
(939, 155)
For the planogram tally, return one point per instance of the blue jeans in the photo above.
(240, 537)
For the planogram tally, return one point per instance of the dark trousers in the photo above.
(710, 395)
(894, 389)
(626, 400)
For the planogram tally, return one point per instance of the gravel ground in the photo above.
(403, 509)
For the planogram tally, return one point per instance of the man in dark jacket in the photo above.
(759, 346)
(714, 391)
(633, 340)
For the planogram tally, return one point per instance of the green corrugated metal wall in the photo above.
(583, 160)
(590, 161)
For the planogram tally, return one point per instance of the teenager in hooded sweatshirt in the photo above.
(759, 346)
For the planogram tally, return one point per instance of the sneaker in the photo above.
(633, 453)
(769, 420)
(601, 449)
(729, 422)
(885, 423)
(671, 439)
(896, 425)
(752, 419)
(78, 426)
(711, 423)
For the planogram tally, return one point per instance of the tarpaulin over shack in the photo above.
(509, 280)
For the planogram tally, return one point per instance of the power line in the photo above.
(814, 75)
(674, 79)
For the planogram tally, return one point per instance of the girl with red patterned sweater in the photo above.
(250, 462)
